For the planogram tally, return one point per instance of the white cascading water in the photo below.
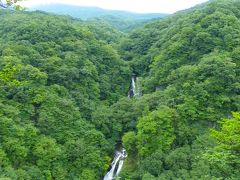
(120, 165)
(121, 155)
(131, 91)
(133, 86)
(117, 162)
(134, 89)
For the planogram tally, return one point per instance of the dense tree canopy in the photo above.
(190, 65)
(63, 88)
(53, 74)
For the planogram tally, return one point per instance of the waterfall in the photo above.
(119, 167)
(133, 86)
(117, 164)
(118, 160)
(110, 174)
(134, 89)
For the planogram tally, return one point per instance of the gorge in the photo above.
(168, 90)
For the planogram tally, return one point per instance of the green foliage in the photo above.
(155, 131)
(184, 38)
(224, 157)
(129, 142)
(63, 84)
(49, 88)
(227, 138)
(189, 63)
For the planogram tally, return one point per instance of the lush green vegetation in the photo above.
(63, 88)
(54, 73)
(190, 68)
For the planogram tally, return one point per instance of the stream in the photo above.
(120, 155)
(116, 165)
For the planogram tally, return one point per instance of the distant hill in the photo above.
(90, 12)
(121, 24)
(122, 20)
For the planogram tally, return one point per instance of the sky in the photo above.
(140, 6)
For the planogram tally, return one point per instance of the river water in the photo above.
(116, 165)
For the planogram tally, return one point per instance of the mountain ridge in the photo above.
(123, 21)
(85, 12)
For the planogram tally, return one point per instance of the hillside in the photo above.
(63, 96)
(189, 69)
(53, 75)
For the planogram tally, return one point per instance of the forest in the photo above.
(64, 102)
